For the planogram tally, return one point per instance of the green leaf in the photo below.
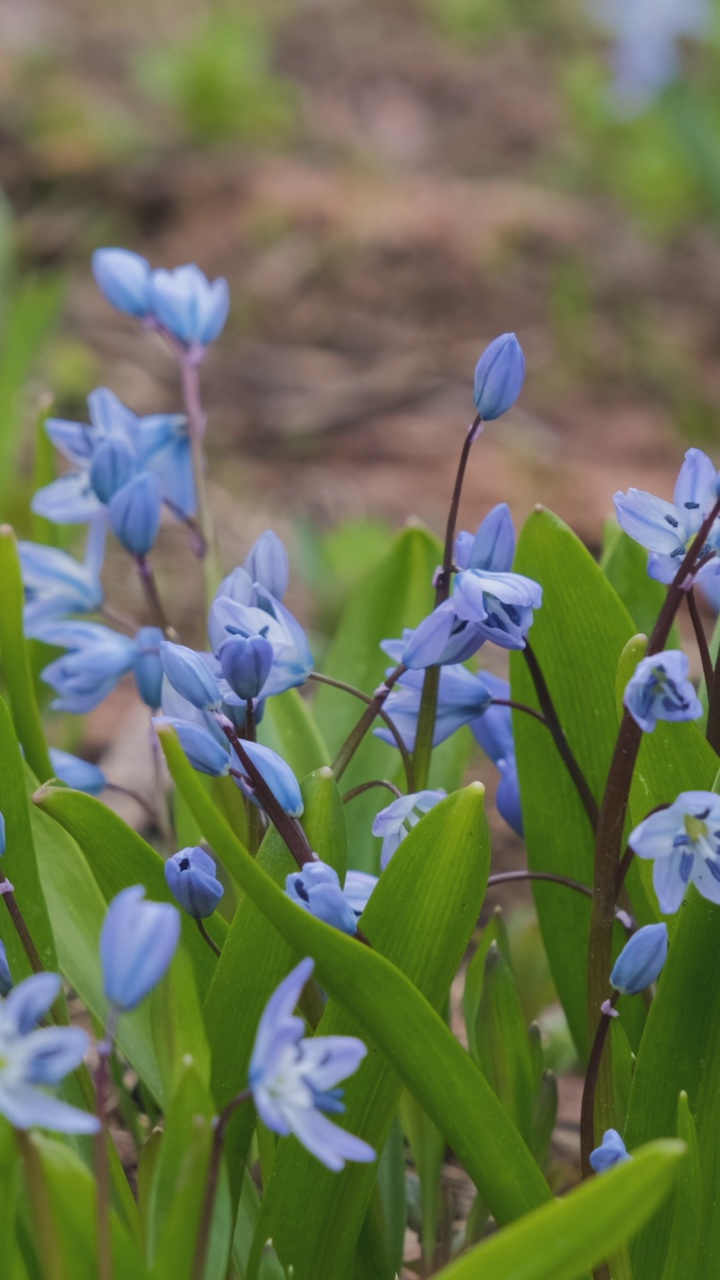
(494, 931)
(414, 1039)
(428, 1151)
(382, 1238)
(562, 1240)
(578, 636)
(685, 1235)
(502, 1041)
(118, 857)
(177, 1022)
(16, 665)
(396, 593)
(433, 888)
(289, 728)
(9, 1180)
(624, 563)
(680, 1051)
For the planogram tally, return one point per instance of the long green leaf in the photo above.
(289, 728)
(408, 1032)
(16, 664)
(562, 1240)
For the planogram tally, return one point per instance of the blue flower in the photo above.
(611, 1151)
(278, 776)
(292, 659)
(76, 773)
(267, 564)
(32, 1057)
(398, 819)
(645, 58)
(462, 696)
(112, 465)
(148, 666)
(137, 943)
(96, 659)
(667, 529)
(641, 960)
(188, 305)
(441, 639)
(684, 842)
(190, 674)
(493, 730)
(499, 377)
(191, 879)
(6, 982)
(56, 584)
(507, 796)
(205, 752)
(358, 889)
(316, 888)
(660, 690)
(124, 278)
(246, 664)
(134, 513)
(294, 1079)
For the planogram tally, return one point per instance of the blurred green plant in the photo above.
(219, 81)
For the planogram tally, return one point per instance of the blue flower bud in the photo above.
(190, 675)
(641, 960)
(76, 773)
(611, 1151)
(246, 664)
(277, 774)
(190, 876)
(112, 466)
(134, 513)
(267, 563)
(148, 667)
(189, 305)
(124, 278)
(316, 888)
(499, 377)
(6, 982)
(205, 753)
(137, 943)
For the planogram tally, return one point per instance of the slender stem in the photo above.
(520, 706)
(713, 719)
(701, 639)
(291, 832)
(190, 381)
(366, 786)
(382, 713)
(442, 582)
(152, 596)
(553, 723)
(253, 813)
(373, 709)
(21, 929)
(587, 1112)
(42, 1211)
(210, 941)
(425, 732)
(508, 877)
(102, 1164)
(203, 1236)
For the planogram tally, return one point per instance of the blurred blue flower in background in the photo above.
(56, 584)
(137, 943)
(96, 659)
(646, 56)
(76, 773)
(191, 307)
(611, 1151)
(124, 278)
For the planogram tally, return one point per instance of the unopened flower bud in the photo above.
(499, 377)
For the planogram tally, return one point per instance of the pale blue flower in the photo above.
(32, 1056)
(277, 775)
(646, 56)
(462, 696)
(641, 960)
(611, 1151)
(267, 564)
(56, 584)
(188, 305)
(148, 666)
(684, 843)
(660, 690)
(292, 659)
(76, 773)
(134, 513)
(190, 675)
(205, 752)
(499, 377)
(316, 888)
(294, 1079)
(6, 982)
(667, 529)
(191, 878)
(124, 278)
(137, 943)
(507, 797)
(393, 823)
(358, 888)
(493, 730)
(96, 659)
(246, 664)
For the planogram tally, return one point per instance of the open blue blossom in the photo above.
(499, 377)
(6, 982)
(76, 773)
(641, 960)
(294, 1079)
(188, 305)
(316, 888)
(398, 819)
(441, 639)
(667, 529)
(32, 1056)
(646, 57)
(292, 659)
(660, 690)
(358, 888)
(96, 659)
(56, 584)
(684, 843)
(124, 278)
(191, 878)
(137, 943)
(462, 696)
(611, 1151)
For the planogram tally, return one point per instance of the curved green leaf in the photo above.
(16, 659)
